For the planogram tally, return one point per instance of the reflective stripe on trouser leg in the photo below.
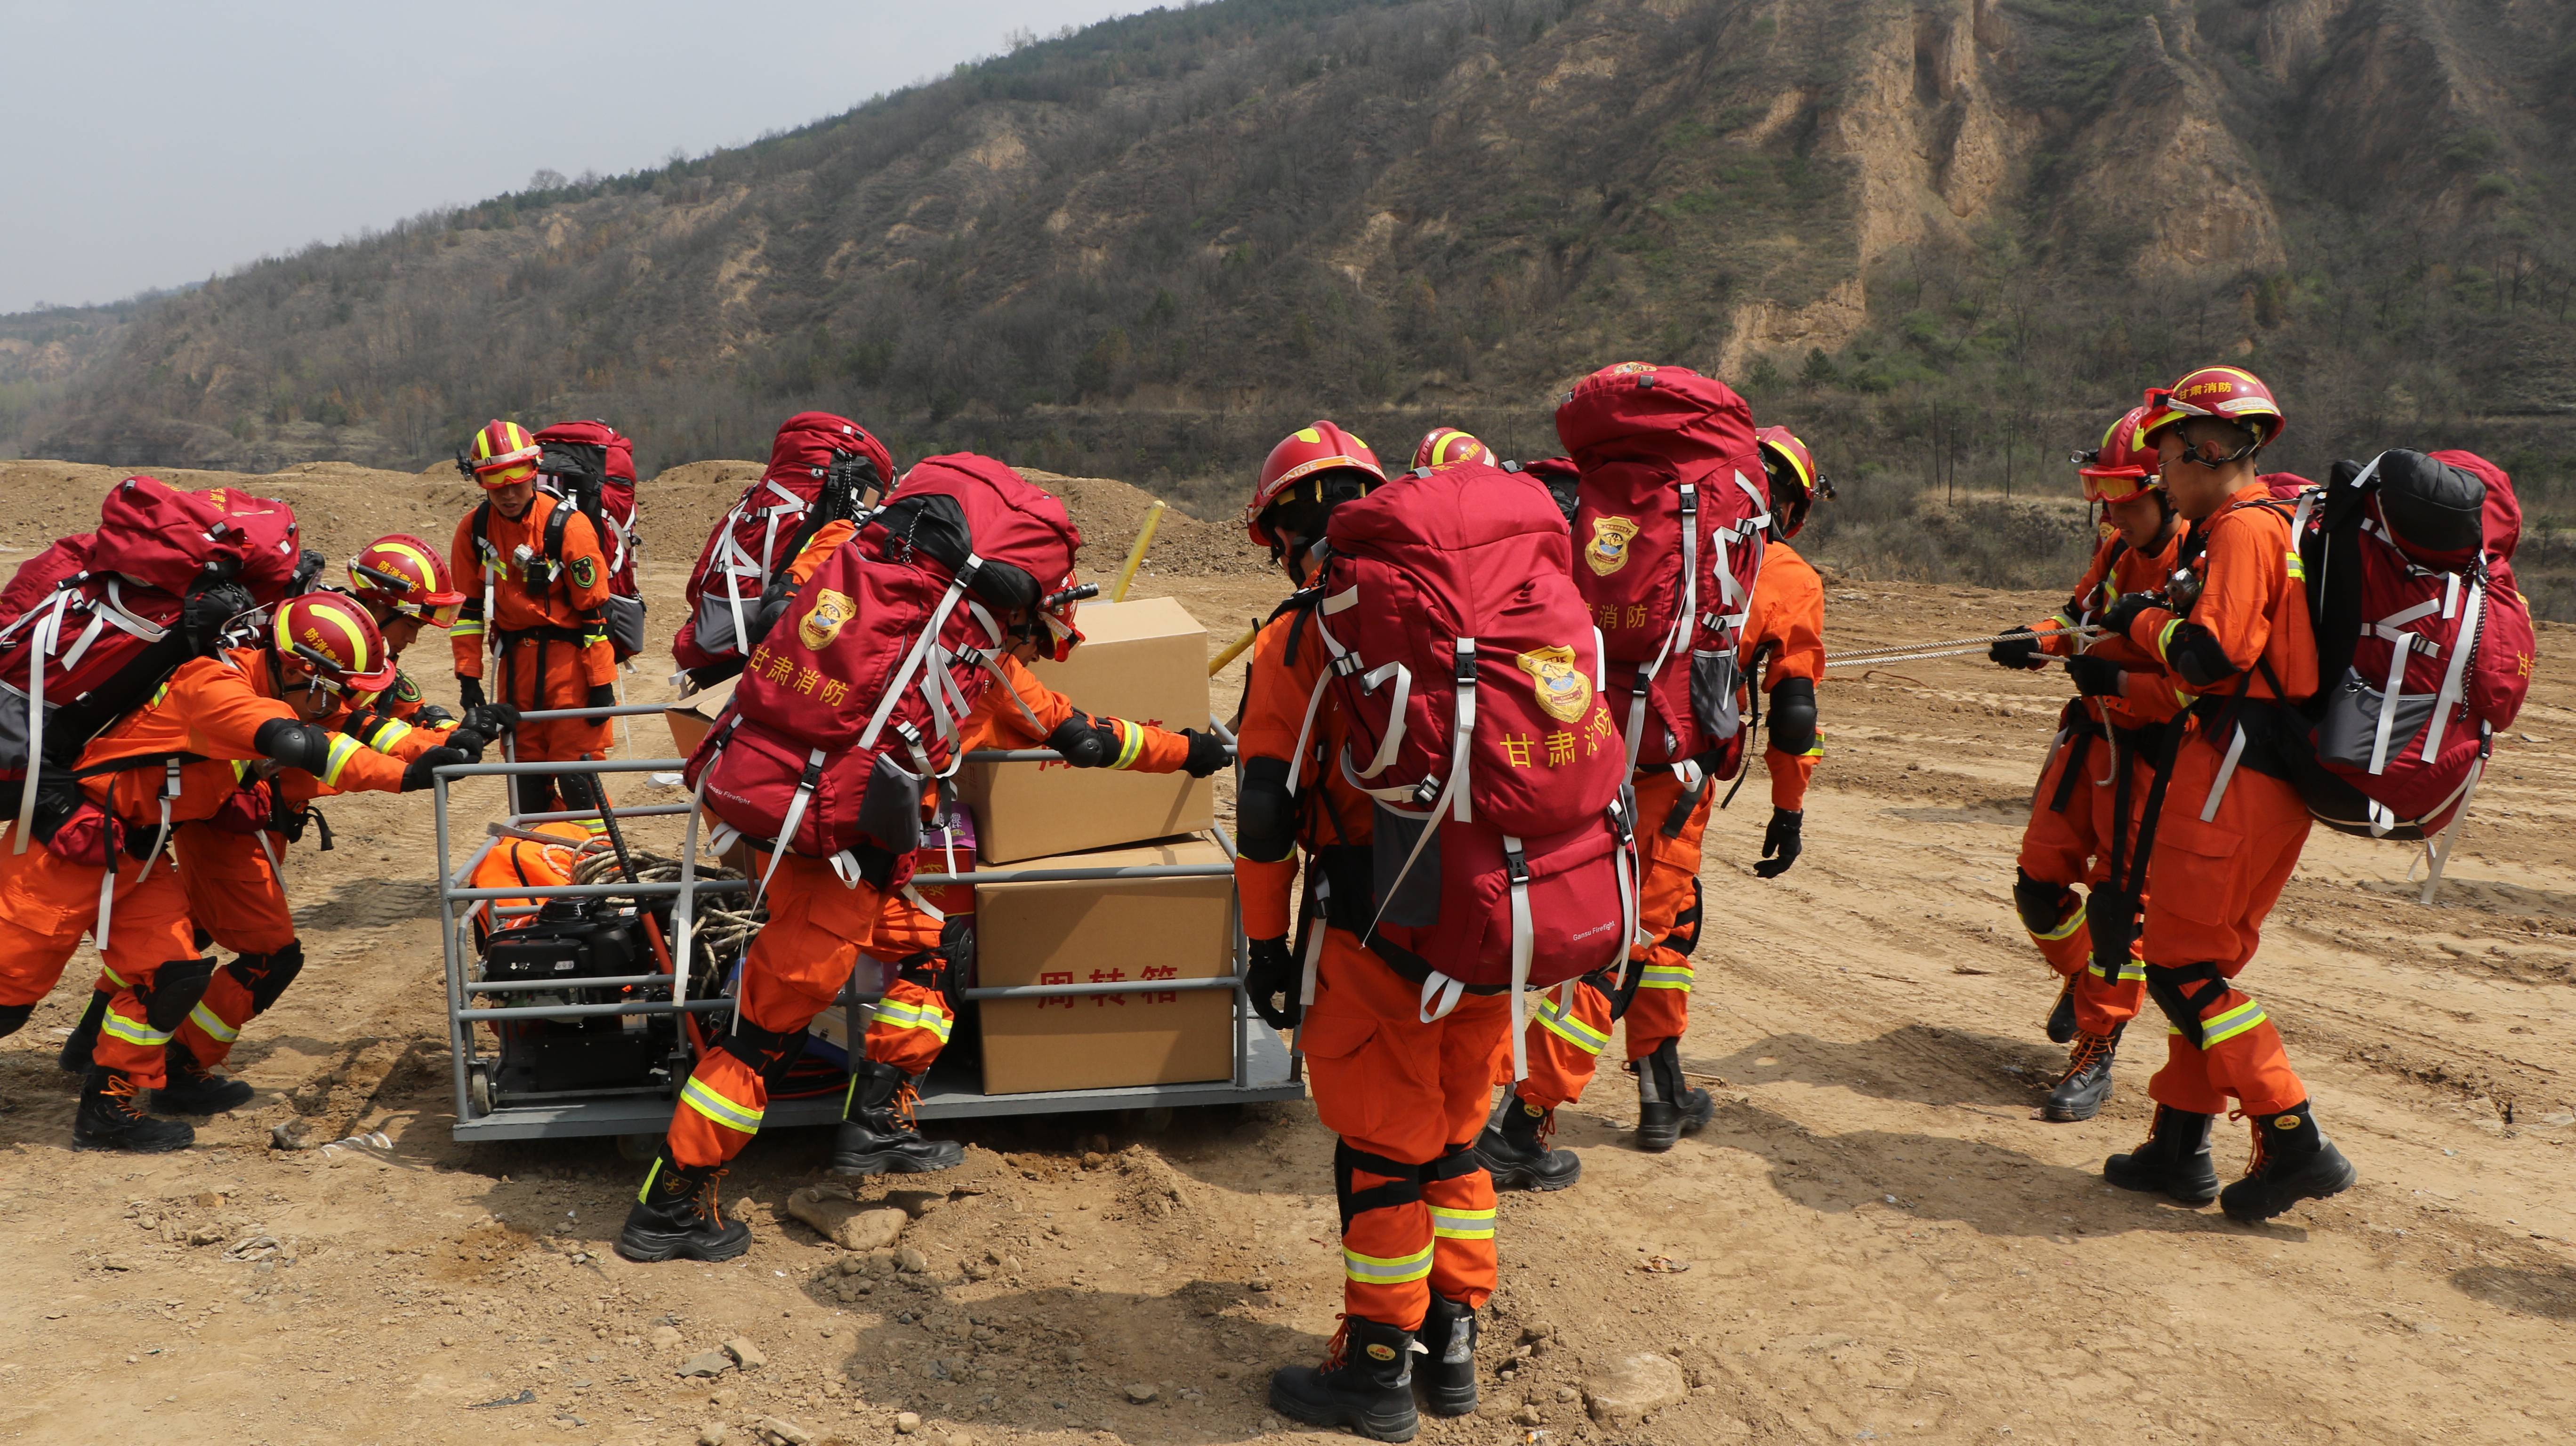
(719, 1111)
(217, 1020)
(2067, 947)
(2242, 1055)
(2102, 1007)
(910, 1027)
(151, 933)
(1460, 1197)
(1661, 1009)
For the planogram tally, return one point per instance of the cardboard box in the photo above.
(688, 728)
(1144, 660)
(1104, 931)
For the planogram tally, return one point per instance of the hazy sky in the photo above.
(155, 143)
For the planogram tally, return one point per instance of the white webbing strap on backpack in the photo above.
(920, 649)
(1624, 858)
(1682, 618)
(1454, 795)
(684, 912)
(1315, 942)
(786, 840)
(2226, 771)
(49, 634)
(738, 564)
(160, 841)
(1524, 942)
(2454, 676)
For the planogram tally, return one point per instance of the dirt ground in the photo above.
(1875, 1240)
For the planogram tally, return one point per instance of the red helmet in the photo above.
(403, 574)
(2227, 393)
(1310, 451)
(2124, 465)
(1795, 482)
(502, 453)
(333, 636)
(1443, 445)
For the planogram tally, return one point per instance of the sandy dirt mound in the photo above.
(1874, 1239)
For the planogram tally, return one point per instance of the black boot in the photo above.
(110, 1119)
(1448, 1373)
(77, 1049)
(2293, 1161)
(2174, 1160)
(1515, 1150)
(2061, 1015)
(876, 1129)
(2080, 1091)
(1667, 1107)
(1365, 1383)
(190, 1088)
(677, 1217)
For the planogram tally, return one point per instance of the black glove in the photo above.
(491, 719)
(2111, 922)
(469, 692)
(1208, 753)
(416, 777)
(2126, 610)
(2017, 650)
(432, 716)
(469, 743)
(2096, 677)
(1273, 971)
(1086, 742)
(1780, 845)
(603, 695)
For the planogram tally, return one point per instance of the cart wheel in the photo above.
(478, 1089)
(638, 1149)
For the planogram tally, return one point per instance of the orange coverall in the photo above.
(2210, 884)
(2073, 826)
(1406, 1098)
(912, 1022)
(236, 898)
(207, 717)
(551, 645)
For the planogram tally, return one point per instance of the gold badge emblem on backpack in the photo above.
(1607, 552)
(825, 619)
(1561, 687)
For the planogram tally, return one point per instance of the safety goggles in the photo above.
(394, 588)
(2115, 487)
(514, 473)
(437, 615)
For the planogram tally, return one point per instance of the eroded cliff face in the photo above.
(1456, 199)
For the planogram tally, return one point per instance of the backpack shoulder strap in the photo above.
(557, 519)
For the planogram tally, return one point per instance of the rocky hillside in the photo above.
(1947, 238)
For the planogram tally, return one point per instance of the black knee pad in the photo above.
(176, 988)
(2183, 991)
(2042, 906)
(13, 1017)
(267, 975)
(767, 1053)
(1402, 1185)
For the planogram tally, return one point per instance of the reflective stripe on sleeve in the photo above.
(1131, 742)
(343, 748)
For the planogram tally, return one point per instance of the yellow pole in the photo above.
(1136, 555)
(1234, 650)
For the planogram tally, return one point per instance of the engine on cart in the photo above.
(572, 944)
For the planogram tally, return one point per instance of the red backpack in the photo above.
(815, 454)
(1668, 530)
(592, 466)
(849, 708)
(96, 618)
(2424, 646)
(1465, 668)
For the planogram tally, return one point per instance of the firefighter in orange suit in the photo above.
(2236, 639)
(1405, 1098)
(1783, 641)
(177, 760)
(537, 606)
(930, 952)
(2092, 793)
(229, 865)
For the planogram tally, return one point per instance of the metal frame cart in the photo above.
(489, 1109)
